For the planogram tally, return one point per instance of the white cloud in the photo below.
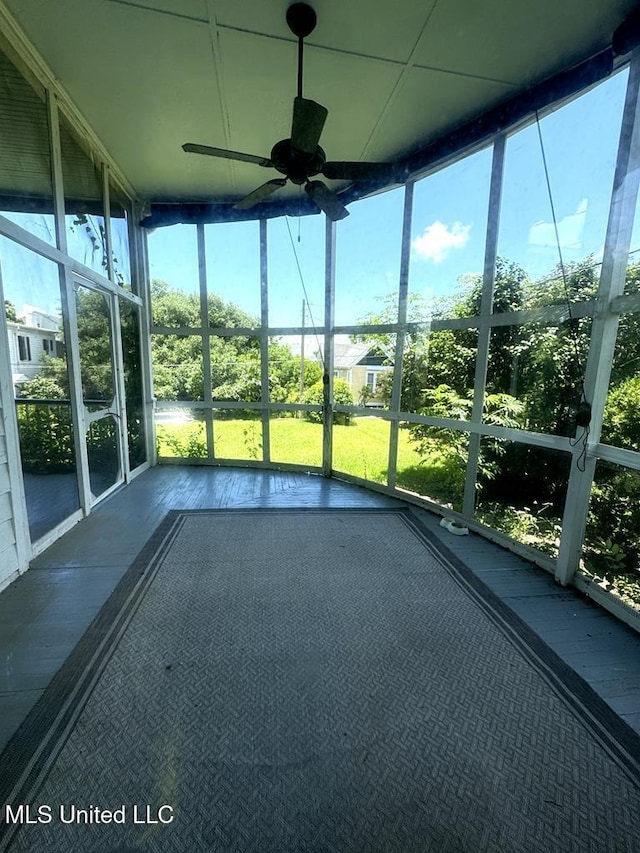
(570, 230)
(437, 240)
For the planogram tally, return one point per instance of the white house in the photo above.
(34, 335)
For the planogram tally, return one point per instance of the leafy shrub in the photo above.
(612, 543)
(342, 396)
(42, 387)
(528, 525)
(190, 444)
(46, 438)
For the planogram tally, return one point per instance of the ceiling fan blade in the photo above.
(194, 148)
(327, 201)
(306, 127)
(348, 171)
(260, 193)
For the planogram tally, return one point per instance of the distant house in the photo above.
(360, 365)
(31, 336)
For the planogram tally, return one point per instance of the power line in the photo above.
(583, 415)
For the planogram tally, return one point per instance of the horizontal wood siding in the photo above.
(9, 561)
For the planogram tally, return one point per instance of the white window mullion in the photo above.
(70, 323)
(403, 295)
(57, 173)
(329, 318)
(121, 409)
(484, 329)
(206, 340)
(264, 343)
(143, 289)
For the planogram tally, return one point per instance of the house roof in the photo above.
(347, 354)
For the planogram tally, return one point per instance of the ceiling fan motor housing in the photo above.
(296, 165)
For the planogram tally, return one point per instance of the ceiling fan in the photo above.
(300, 157)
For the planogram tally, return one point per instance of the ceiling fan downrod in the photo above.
(302, 22)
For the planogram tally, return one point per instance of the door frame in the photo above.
(116, 409)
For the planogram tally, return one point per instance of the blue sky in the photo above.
(29, 279)
(448, 230)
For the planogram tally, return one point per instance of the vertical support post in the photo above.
(605, 326)
(69, 314)
(118, 365)
(206, 340)
(264, 342)
(329, 321)
(142, 286)
(70, 325)
(56, 172)
(484, 331)
(110, 270)
(302, 320)
(403, 296)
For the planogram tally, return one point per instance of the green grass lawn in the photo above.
(360, 449)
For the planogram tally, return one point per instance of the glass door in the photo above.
(100, 392)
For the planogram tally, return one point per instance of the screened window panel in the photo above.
(26, 191)
(133, 381)
(173, 269)
(232, 252)
(579, 143)
(521, 492)
(432, 463)
(181, 433)
(120, 220)
(611, 548)
(83, 203)
(368, 246)
(295, 257)
(448, 232)
(361, 446)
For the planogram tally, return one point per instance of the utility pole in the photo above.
(302, 354)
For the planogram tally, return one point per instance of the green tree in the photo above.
(284, 374)
(94, 339)
(10, 311)
(235, 359)
(621, 423)
(178, 358)
(172, 307)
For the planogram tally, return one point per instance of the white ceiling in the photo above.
(149, 75)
